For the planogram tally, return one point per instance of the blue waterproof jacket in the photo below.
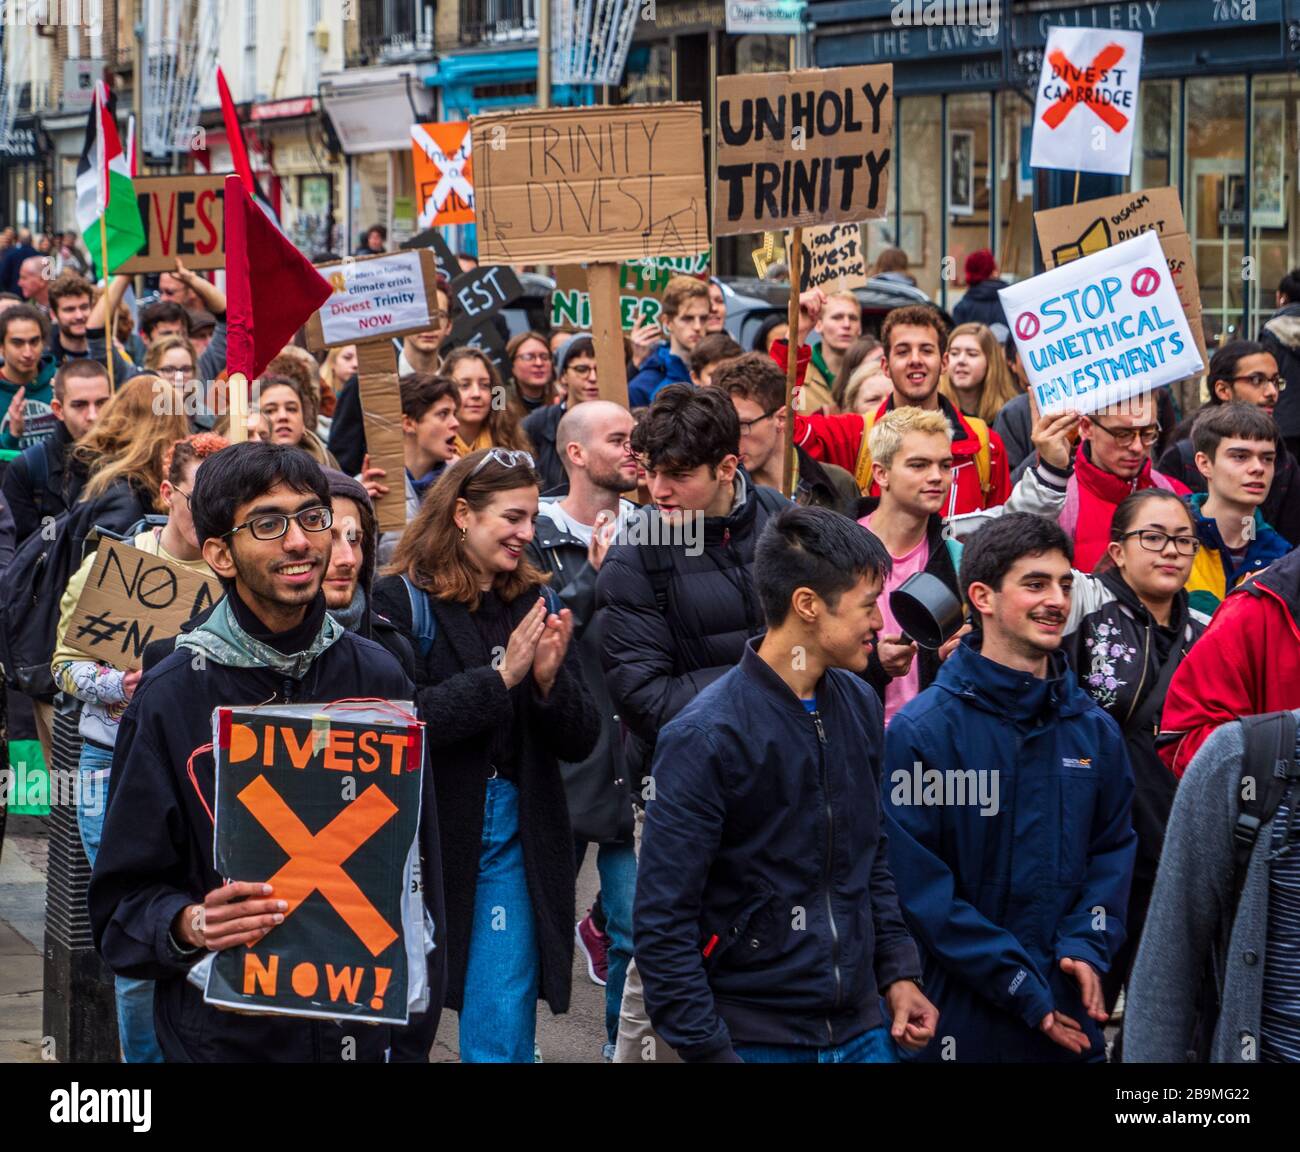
(1032, 864)
(765, 911)
(660, 368)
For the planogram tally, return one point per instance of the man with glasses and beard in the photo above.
(263, 515)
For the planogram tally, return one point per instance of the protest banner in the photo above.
(381, 408)
(485, 336)
(833, 259)
(444, 173)
(640, 286)
(132, 598)
(183, 216)
(586, 185)
(323, 803)
(376, 297)
(806, 147)
(1087, 101)
(1101, 329)
(432, 239)
(479, 294)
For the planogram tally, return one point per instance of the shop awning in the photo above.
(372, 110)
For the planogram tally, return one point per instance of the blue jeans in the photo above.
(498, 1019)
(873, 1047)
(616, 864)
(135, 1030)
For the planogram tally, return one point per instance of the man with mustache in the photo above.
(1007, 794)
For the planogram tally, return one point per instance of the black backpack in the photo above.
(1268, 774)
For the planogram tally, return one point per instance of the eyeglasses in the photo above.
(437, 315)
(534, 357)
(747, 426)
(1154, 541)
(506, 457)
(581, 371)
(1125, 436)
(273, 525)
(1259, 380)
(182, 491)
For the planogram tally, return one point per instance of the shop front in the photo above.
(1217, 119)
(295, 140)
(27, 177)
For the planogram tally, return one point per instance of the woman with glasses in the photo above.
(531, 370)
(502, 696)
(1128, 630)
(105, 691)
(489, 416)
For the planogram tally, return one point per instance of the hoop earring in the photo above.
(463, 532)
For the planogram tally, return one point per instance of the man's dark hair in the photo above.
(914, 316)
(422, 390)
(753, 376)
(163, 312)
(67, 286)
(818, 548)
(991, 553)
(713, 349)
(1220, 422)
(1223, 364)
(24, 312)
(243, 472)
(77, 370)
(687, 427)
(1290, 286)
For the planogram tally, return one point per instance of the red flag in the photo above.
(263, 311)
(235, 135)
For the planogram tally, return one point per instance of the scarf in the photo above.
(221, 639)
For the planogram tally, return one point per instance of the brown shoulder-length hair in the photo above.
(504, 422)
(431, 553)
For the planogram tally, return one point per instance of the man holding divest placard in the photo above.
(158, 903)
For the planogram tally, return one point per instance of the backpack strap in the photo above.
(423, 625)
(39, 471)
(1268, 769)
(659, 569)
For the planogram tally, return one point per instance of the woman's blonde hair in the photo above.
(138, 426)
(999, 385)
(503, 421)
(431, 553)
(164, 344)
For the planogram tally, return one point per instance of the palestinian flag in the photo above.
(104, 188)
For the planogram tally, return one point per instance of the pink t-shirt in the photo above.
(900, 690)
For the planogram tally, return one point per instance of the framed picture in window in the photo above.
(1268, 184)
(961, 172)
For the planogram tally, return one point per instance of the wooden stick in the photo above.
(792, 360)
(607, 332)
(237, 407)
(1076, 187)
(110, 322)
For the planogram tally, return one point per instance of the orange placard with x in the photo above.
(324, 806)
(444, 173)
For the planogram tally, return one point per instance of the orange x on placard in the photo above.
(1106, 59)
(315, 862)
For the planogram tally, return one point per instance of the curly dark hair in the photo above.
(686, 427)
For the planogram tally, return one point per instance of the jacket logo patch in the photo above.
(1071, 762)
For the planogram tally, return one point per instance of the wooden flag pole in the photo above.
(110, 322)
(607, 332)
(1076, 186)
(792, 359)
(237, 407)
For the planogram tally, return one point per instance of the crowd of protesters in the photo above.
(817, 837)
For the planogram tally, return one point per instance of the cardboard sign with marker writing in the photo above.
(183, 216)
(586, 185)
(381, 406)
(479, 294)
(801, 148)
(132, 598)
(833, 259)
(376, 297)
(641, 285)
(322, 801)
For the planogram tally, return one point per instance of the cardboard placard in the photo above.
(607, 333)
(444, 173)
(833, 259)
(431, 239)
(132, 598)
(183, 216)
(323, 803)
(479, 294)
(585, 185)
(641, 286)
(806, 147)
(381, 408)
(1101, 329)
(483, 336)
(1087, 100)
(375, 297)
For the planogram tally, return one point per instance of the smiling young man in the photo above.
(1236, 451)
(839, 325)
(686, 310)
(914, 338)
(157, 905)
(767, 924)
(70, 302)
(1007, 803)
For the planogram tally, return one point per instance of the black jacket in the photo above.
(981, 305)
(658, 659)
(462, 700)
(156, 854)
(1281, 336)
(766, 911)
(347, 438)
(939, 564)
(598, 788)
(30, 501)
(540, 427)
(825, 485)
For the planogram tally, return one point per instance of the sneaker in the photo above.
(595, 947)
